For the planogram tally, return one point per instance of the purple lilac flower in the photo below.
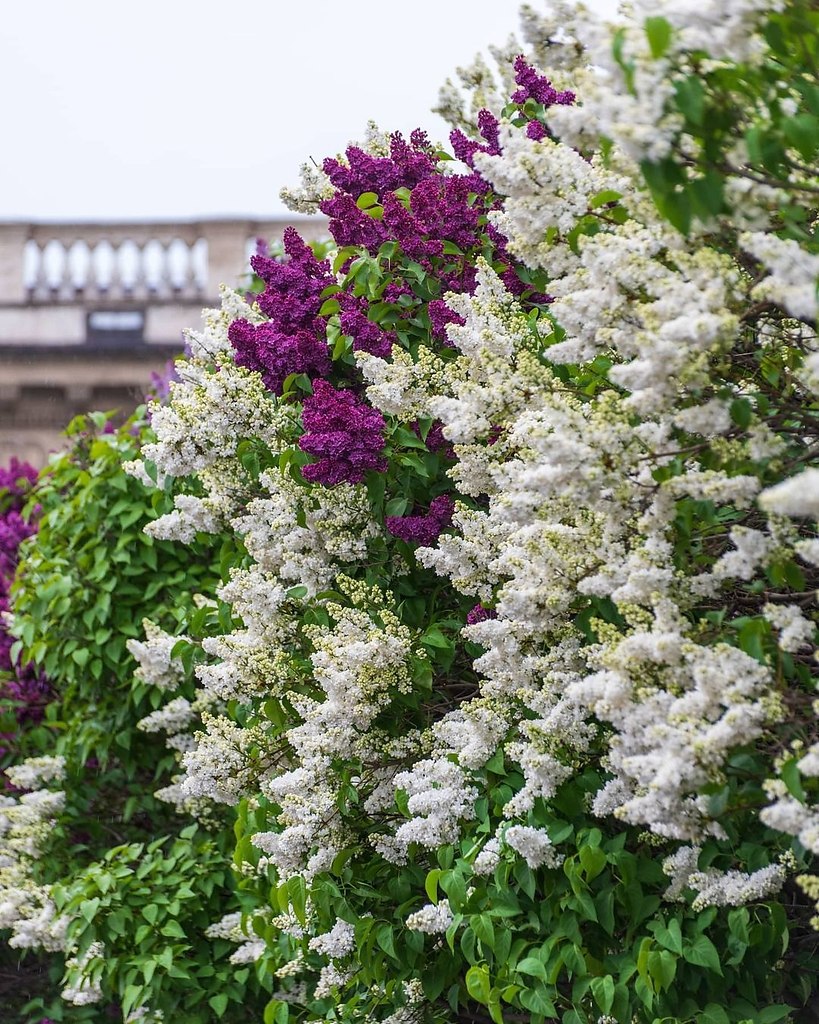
(440, 315)
(537, 131)
(465, 148)
(395, 290)
(435, 440)
(537, 87)
(463, 280)
(13, 531)
(17, 478)
(366, 334)
(160, 387)
(443, 207)
(480, 614)
(292, 295)
(30, 691)
(407, 164)
(410, 232)
(275, 354)
(351, 226)
(27, 687)
(344, 433)
(423, 529)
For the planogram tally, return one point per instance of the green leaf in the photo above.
(602, 990)
(477, 983)
(150, 913)
(431, 884)
(793, 779)
(482, 926)
(173, 930)
(89, 908)
(713, 1014)
(773, 1013)
(531, 965)
(802, 132)
(384, 938)
(659, 32)
(593, 860)
(690, 95)
(218, 1003)
(670, 937)
(707, 193)
(433, 637)
(741, 412)
(604, 198)
(130, 997)
(703, 952)
(535, 1000)
(738, 924)
(662, 967)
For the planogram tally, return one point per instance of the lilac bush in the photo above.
(509, 683)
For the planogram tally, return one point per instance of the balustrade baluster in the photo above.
(115, 284)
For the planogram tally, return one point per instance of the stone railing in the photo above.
(121, 266)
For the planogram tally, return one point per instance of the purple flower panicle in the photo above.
(440, 315)
(17, 479)
(27, 688)
(465, 148)
(537, 87)
(293, 287)
(276, 354)
(407, 164)
(366, 334)
(536, 131)
(351, 226)
(480, 614)
(423, 529)
(344, 433)
(13, 531)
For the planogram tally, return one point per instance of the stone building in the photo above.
(89, 311)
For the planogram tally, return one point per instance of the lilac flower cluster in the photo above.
(344, 433)
(423, 529)
(435, 440)
(407, 164)
(25, 687)
(465, 148)
(160, 386)
(439, 208)
(292, 295)
(17, 479)
(292, 339)
(13, 531)
(480, 614)
(534, 86)
(366, 334)
(15, 482)
(276, 354)
(440, 315)
(351, 226)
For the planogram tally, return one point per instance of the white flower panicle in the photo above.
(431, 919)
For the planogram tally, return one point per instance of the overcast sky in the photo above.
(188, 108)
